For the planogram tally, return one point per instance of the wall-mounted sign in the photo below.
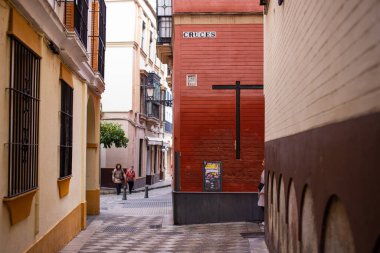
(191, 80)
(212, 176)
(188, 35)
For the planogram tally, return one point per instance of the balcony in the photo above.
(164, 29)
(98, 36)
(153, 110)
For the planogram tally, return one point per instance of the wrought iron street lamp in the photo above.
(150, 97)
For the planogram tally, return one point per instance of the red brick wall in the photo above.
(204, 119)
(216, 6)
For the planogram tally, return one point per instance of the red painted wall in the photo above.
(229, 6)
(204, 119)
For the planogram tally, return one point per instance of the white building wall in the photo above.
(119, 77)
(121, 18)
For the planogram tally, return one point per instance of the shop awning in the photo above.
(152, 141)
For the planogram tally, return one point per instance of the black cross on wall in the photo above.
(238, 87)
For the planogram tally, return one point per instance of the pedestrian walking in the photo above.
(130, 177)
(261, 200)
(118, 177)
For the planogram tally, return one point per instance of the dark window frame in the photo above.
(143, 30)
(143, 104)
(164, 21)
(102, 37)
(150, 44)
(24, 92)
(66, 130)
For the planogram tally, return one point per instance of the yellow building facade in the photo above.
(50, 90)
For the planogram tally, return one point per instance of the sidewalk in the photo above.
(161, 184)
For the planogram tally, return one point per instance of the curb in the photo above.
(106, 191)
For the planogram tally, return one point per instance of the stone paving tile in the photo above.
(145, 225)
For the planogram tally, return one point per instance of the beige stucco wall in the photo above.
(48, 209)
(4, 102)
(92, 137)
(321, 63)
(52, 208)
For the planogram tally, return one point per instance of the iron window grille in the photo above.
(66, 149)
(23, 119)
(81, 19)
(164, 21)
(102, 36)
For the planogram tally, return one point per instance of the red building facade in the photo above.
(205, 119)
(217, 43)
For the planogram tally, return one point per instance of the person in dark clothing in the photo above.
(130, 177)
(118, 177)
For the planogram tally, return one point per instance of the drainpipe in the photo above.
(37, 213)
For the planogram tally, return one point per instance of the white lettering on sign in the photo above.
(191, 80)
(189, 35)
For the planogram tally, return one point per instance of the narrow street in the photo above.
(141, 224)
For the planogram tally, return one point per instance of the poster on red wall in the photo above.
(212, 176)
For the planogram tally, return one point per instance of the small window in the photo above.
(142, 35)
(151, 45)
(142, 95)
(66, 130)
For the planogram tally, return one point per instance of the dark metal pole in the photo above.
(125, 192)
(146, 192)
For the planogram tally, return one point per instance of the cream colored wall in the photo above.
(9, 235)
(52, 208)
(92, 138)
(5, 228)
(322, 64)
(4, 102)
(47, 208)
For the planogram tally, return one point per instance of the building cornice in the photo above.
(217, 18)
(133, 44)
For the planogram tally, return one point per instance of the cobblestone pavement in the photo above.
(158, 203)
(145, 225)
